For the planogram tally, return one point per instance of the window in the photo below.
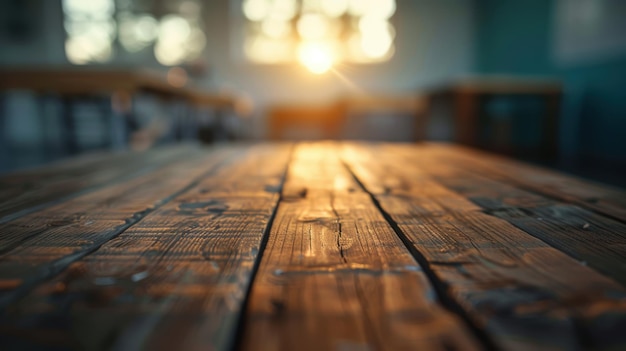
(96, 27)
(90, 28)
(318, 33)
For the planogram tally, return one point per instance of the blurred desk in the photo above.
(114, 90)
(89, 81)
(468, 97)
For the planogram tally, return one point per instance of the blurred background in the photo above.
(538, 80)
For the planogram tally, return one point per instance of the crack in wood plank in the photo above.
(521, 305)
(334, 273)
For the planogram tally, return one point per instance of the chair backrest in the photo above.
(328, 121)
(304, 122)
(404, 116)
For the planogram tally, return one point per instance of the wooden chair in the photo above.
(328, 121)
(305, 122)
(411, 106)
(467, 98)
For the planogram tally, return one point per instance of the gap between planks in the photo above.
(440, 287)
(602, 199)
(589, 236)
(18, 198)
(523, 292)
(335, 275)
(47, 266)
(177, 278)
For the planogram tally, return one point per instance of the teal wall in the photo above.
(516, 37)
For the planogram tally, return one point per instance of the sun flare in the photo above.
(316, 57)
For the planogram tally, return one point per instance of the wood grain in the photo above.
(29, 191)
(526, 294)
(335, 276)
(40, 245)
(589, 237)
(175, 280)
(349, 247)
(603, 199)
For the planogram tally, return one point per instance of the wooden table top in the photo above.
(311, 246)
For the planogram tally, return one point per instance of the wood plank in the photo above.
(335, 276)
(603, 199)
(526, 294)
(175, 280)
(40, 245)
(28, 191)
(131, 193)
(589, 237)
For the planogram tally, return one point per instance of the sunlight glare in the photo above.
(263, 49)
(376, 36)
(334, 8)
(90, 30)
(256, 10)
(174, 27)
(174, 31)
(359, 8)
(137, 32)
(89, 9)
(145, 28)
(195, 44)
(379, 8)
(316, 57)
(382, 8)
(313, 26)
(357, 31)
(169, 54)
(376, 45)
(276, 28)
(284, 9)
(93, 44)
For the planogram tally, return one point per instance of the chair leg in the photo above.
(4, 145)
(69, 126)
(550, 134)
(467, 107)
